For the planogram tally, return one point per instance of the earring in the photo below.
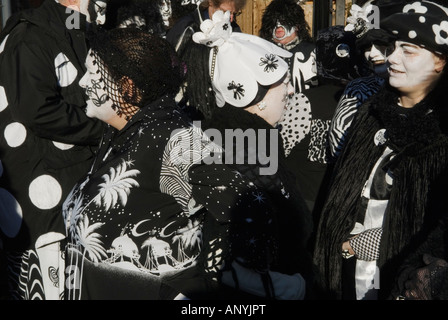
(261, 105)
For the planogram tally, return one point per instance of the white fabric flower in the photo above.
(215, 31)
(416, 6)
(357, 12)
(439, 30)
(243, 62)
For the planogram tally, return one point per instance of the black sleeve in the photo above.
(34, 97)
(241, 209)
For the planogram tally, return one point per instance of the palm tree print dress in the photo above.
(133, 220)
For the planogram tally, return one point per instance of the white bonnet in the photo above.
(239, 62)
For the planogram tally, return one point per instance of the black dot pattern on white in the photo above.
(296, 122)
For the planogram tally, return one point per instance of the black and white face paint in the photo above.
(94, 10)
(411, 67)
(99, 105)
(165, 11)
(281, 32)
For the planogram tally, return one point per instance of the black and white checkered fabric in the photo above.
(366, 245)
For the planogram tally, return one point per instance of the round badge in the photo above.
(343, 50)
(380, 137)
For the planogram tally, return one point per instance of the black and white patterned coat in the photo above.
(139, 213)
(356, 92)
(46, 140)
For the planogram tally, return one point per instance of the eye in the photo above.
(407, 51)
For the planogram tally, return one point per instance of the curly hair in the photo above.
(146, 59)
(124, 12)
(289, 14)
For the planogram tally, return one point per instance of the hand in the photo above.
(346, 246)
(425, 283)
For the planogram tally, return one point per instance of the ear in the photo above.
(127, 88)
(439, 62)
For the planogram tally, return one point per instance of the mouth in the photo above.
(280, 32)
(377, 62)
(394, 71)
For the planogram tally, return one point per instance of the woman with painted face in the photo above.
(114, 216)
(240, 83)
(375, 44)
(284, 23)
(388, 190)
(96, 11)
(139, 223)
(166, 11)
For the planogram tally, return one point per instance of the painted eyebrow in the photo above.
(409, 45)
(89, 67)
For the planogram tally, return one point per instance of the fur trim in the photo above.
(420, 175)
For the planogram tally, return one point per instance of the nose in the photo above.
(374, 52)
(392, 58)
(83, 81)
(100, 19)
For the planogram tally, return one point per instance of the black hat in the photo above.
(423, 23)
(366, 33)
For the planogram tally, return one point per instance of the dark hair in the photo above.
(290, 14)
(148, 60)
(179, 10)
(118, 11)
(198, 88)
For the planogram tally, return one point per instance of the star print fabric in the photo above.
(245, 224)
(119, 223)
(137, 221)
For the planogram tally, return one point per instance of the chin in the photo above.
(89, 112)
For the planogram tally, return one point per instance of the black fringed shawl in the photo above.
(294, 217)
(419, 192)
